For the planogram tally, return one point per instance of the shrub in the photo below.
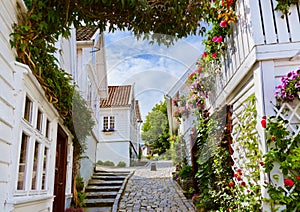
(121, 164)
(185, 172)
(99, 162)
(108, 163)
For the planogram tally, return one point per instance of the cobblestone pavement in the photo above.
(150, 190)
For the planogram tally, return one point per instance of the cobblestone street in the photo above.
(154, 191)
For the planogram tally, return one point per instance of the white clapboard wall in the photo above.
(260, 34)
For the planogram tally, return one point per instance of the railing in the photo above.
(260, 29)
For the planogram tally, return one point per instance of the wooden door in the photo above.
(60, 171)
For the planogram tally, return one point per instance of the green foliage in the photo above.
(79, 183)
(108, 163)
(99, 162)
(121, 164)
(285, 151)
(185, 172)
(284, 6)
(155, 131)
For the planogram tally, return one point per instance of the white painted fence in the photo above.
(260, 34)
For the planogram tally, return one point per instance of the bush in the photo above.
(108, 163)
(121, 164)
(185, 172)
(79, 183)
(99, 162)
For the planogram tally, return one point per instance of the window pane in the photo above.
(28, 109)
(39, 120)
(22, 162)
(105, 122)
(35, 166)
(44, 168)
(47, 128)
(112, 122)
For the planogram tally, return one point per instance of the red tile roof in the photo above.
(138, 113)
(118, 96)
(85, 33)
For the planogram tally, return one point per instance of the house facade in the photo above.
(120, 122)
(263, 46)
(36, 148)
(184, 127)
(91, 78)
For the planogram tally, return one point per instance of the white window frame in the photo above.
(111, 123)
(36, 136)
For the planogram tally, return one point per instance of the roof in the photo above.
(138, 113)
(85, 33)
(118, 96)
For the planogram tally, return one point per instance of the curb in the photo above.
(120, 192)
(179, 191)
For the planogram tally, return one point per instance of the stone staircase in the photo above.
(103, 189)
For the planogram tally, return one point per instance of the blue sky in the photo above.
(153, 69)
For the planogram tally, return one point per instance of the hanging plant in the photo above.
(284, 6)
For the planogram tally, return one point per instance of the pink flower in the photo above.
(213, 55)
(288, 182)
(223, 24)
(214, 39)
(219, 39)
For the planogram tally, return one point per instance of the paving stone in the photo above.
(154, 191)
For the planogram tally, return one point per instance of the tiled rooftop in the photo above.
(118, 96)
(138, 113)
(85, 33)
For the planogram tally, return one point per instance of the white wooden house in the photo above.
(185, 128)
(120, 126)
(91, 79)
(36, 149)
(262, 48)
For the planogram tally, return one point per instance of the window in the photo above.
(112, 122)
(44, 172)
(39, 122)
(108, 123)
(47, 128)
(22, 162)
(35, 150)
(28, 109)
(35, 166)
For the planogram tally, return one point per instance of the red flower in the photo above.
(219, 39)
(214, 39)
(262, 163)
(223, 24)
(288, 182)
(235, 175)
(298, 178)
(264, 117)
(240, 171)
(213, 55)
(204, 54)
(231, 184)
(243, 183)
(248, 190)
(263, 123)
(272, 138)
(239, 178)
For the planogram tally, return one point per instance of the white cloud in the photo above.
(154, 69)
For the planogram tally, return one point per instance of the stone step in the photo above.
(98, 209)
(105, 182)
(99, 202)
(105, 173)
(101, 194)
(102, 188)
(112, 178)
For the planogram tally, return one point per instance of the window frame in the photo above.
(109, 123)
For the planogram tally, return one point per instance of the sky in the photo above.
(153, 69)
